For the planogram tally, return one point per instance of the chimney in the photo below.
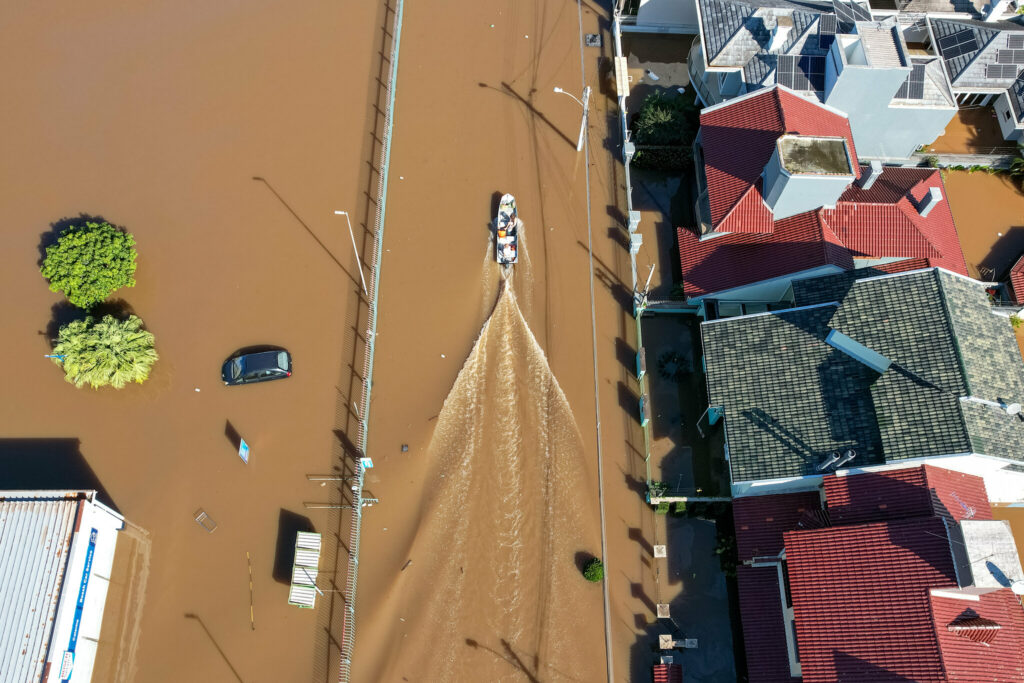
(996, 10)
(869, 178)
(930, 201)
(783, 26)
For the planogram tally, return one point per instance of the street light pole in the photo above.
(586, 110)
(355, 249)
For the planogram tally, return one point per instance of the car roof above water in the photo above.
(264, 360)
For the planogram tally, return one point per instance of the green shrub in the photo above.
(679, 508)
(594, 570)
(666, 120)
(105, 352)
(89, 262)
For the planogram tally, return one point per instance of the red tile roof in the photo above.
(861, 601)
(738, 140)
(853, 229)
(1017, 280)
(764, 637)
(668, 673)
(903, 493)
(980, 638)
(748, 246)
(761, 520)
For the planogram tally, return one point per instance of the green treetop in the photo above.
(89, 262)
(105, 352)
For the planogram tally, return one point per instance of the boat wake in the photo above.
(510, 506)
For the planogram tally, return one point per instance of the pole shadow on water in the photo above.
(209, 635)
(509, 91)
(48, 464)
(288, 525)
(308, 229)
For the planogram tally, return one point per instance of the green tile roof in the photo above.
(790, 399)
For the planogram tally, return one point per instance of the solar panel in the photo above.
(959, 43)
(844, 16)
(1001, 71)
(1010, 56)
(801, 73)
(913, 87)
(826, 31)
(861, 12)
(1015, 42)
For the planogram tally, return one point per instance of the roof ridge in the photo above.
(739, 200)
(947, 314)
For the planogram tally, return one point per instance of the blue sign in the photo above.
(79, 606)
(243, 451)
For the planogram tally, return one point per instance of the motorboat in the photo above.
(507, 224)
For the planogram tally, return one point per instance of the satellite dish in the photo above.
(1013, 409)
(1017, 587)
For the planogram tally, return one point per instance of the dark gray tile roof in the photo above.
(790, 399)
(979, 54)
(722, 20)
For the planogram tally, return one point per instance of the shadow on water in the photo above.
(288, 524)
(63, 312)
(303, 223)
(48, 464)
(213, 640)
(232, 435)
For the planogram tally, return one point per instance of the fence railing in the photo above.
(352, 577)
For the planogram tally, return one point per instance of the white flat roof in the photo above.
(43, 561)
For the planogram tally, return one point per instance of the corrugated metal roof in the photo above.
(35, 538)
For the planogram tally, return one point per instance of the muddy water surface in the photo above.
(157, 116)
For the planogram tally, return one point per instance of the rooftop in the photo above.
(877, 596)
(980, 55)
(790, 399)
(803, 154)
(882, 222)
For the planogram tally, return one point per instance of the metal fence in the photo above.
(349, 622)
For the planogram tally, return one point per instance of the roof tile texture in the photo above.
(860, 595)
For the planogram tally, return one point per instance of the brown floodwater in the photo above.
(477, 117)
(507, 505)
(158, 116)
(989, 214)
(223, 136)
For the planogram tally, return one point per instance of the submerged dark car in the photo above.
(257, 367)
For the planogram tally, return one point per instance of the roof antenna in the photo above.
(847, 457)
(829, 461)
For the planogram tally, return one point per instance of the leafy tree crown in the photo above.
(89, 262)
(105, 352)
(594, 570)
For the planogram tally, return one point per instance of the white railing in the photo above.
(352, 577)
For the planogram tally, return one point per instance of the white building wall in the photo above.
(107, 524)
(667, 13)
(1007, 122)
(1002, 485)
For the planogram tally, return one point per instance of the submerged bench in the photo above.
(307, 561)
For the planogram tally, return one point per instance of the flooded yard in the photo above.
(988, 211)
(223, 137)
(973, 130)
